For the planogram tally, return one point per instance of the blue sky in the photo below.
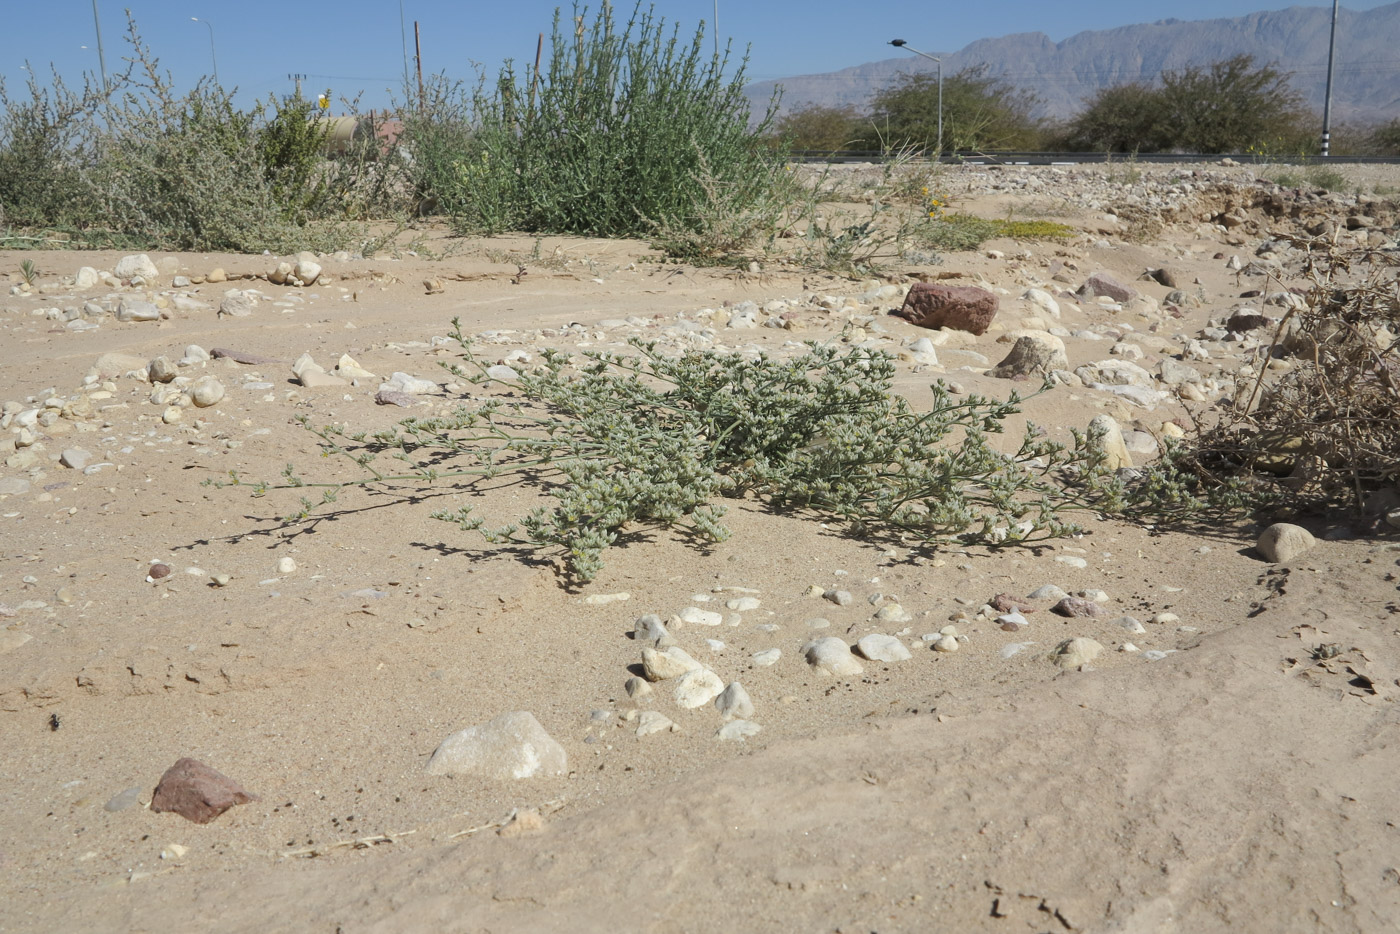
(353, 46)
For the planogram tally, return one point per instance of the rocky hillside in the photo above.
(1063, 74)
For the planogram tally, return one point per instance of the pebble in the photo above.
(767, 657)
(1073, 561)
(818, 623)
(893, 613)
(1077, 652)
(602, 599)
(1048, 592)
(1156, 655)
(220, 580)
(947, 644)
(511, 746)
(697, 688)
(832, 656)
(699, 617)
(651, 630)
(1075, 607)
(1012, 622)
(637, 687)
(123, 800)
(651, 721)
(1014, 648)
(1283, 542)
(197, 792)
(206, 391)
(743, 604)
(664, 665)
(838, 597)
(1130, 624)
(75, 458)
(286, 565)
(734, 703)
(882, 648)
(1165, 619)
(738, 730)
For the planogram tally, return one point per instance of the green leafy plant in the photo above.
(621, 441)
(619, 136)
(28, 273)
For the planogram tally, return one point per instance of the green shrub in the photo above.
(980, 111)
(627, 130)
(622, 441)
(45, 145)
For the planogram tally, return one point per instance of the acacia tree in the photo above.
(980, 111)
(1231, 106)
(813, 126)
(1122, 118)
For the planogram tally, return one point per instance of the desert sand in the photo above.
(1212, 771)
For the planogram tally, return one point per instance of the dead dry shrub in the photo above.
(1325, 432)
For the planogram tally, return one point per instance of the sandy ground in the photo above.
(1218, 778)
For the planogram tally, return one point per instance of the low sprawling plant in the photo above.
(621, 441)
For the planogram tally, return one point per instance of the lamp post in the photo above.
(1327, 104)
(212, 57)
(101, 59)
(901, 44)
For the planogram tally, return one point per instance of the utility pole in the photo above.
(298, 79)
(101, 59)
(1327, 102)
(418, 56)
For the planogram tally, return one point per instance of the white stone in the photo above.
(743, 604)
(137, 265)
(697, 688)
(206, 391)
(651, 722)
(502, 372)
(75, 458)
(131, 309)
(1130, 624)
(1110, 437)
(412, 385)
(767, 657)
(734, 703)
(86, 278)
(892, 613)
(698, 617)
(512, 746)
(1042, 300)
(947, 644)
(1075, 653)
(238, 304)
(738, 730)
(832, 656)
(879, 647)
(670, 663)
(286, 565)
(308, 272)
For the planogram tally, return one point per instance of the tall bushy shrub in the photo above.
(45, 143)
(627, 128)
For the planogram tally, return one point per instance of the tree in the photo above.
(1122, 118)
(979, 112)
(1231, 106)
(813, 126)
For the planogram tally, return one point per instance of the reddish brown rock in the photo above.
(1077, 606)
(962, 308)
(196, 792)
(1102, 284)
(1006, 603)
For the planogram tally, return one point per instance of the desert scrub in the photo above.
(620, 441)
(626, 132)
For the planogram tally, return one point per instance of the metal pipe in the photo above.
(1327, 101)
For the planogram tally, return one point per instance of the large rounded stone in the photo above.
(511, 746)
(832, 656)
(1283, 541)
(1032, 354)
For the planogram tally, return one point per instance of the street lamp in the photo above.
(901, 44)
(212, 57)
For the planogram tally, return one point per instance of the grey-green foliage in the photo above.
(45, 144)
(619, 134)
(617, 441)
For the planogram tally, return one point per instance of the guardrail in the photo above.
(1082, 158)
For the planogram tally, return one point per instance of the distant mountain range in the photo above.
(1063, 74)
